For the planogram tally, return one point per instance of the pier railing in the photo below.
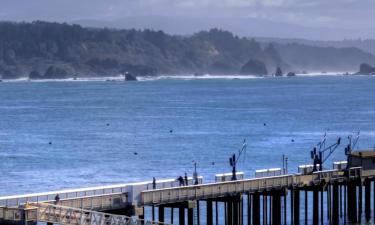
(64, 195)
(88, 198)
(63, 215)
(203, 191)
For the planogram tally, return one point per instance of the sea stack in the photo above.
(366, 69)
(279, 72)
(130, 77)
(291, 74)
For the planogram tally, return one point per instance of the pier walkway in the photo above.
(88, 206)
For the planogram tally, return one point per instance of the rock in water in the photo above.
(35, 75)
(55, 72)
(130, 77)
(254, 67)
(291, 74)
(366, 69)
(279, 72)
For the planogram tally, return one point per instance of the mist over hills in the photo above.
(367, 45)
(55, 50)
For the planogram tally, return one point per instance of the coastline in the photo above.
(179, 77)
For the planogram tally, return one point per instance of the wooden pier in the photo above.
(329, 196)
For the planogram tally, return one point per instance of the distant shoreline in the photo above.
(178, 77)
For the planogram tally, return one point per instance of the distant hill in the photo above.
(317, 59)
(366, 45)
(54, 50)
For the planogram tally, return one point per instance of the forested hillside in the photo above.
(53, 50)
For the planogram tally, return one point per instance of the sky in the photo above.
(312, 19)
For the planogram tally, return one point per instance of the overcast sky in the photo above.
(325, 19)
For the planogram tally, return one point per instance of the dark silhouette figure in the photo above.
(181, 180)
(57, 199)
(186, 179)
(153, 183)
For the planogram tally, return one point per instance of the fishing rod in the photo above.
(234, 160)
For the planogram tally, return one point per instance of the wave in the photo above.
(197, 77)
(172, 77)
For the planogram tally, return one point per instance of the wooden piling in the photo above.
(296, 206)
(276, 207)
(190, 216)
(161, 214)
(209, 212)
(181, 216)
(367, 199)
(315, 205)
(335, 204)
(256, 209)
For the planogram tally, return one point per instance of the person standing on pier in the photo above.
(195, 174)
(181, 180)
(186, 180)
(153, 183)
(57, 199)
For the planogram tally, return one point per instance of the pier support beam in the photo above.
(256, 209)
(161, 214)
(306, 207)
(352, 201)
(335, 204)
(316, 205)
(181, 216)
(191, 216)
(276, 208)
(296, 206)
(367, 199)
(209, 213)
(248, 209)
(230, 212)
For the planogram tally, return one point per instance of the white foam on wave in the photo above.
(197, 77)
(173, 77)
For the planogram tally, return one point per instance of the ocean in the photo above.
(59, 135)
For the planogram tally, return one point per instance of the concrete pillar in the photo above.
(315, 205)
(161, 214)
(367, 200)
(335, 204)
(190, 216)
(181, 216)
(209, 212)
(256, 209)
(276, 208)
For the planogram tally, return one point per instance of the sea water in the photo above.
(58, 135)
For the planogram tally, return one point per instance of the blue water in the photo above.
(95, 127)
